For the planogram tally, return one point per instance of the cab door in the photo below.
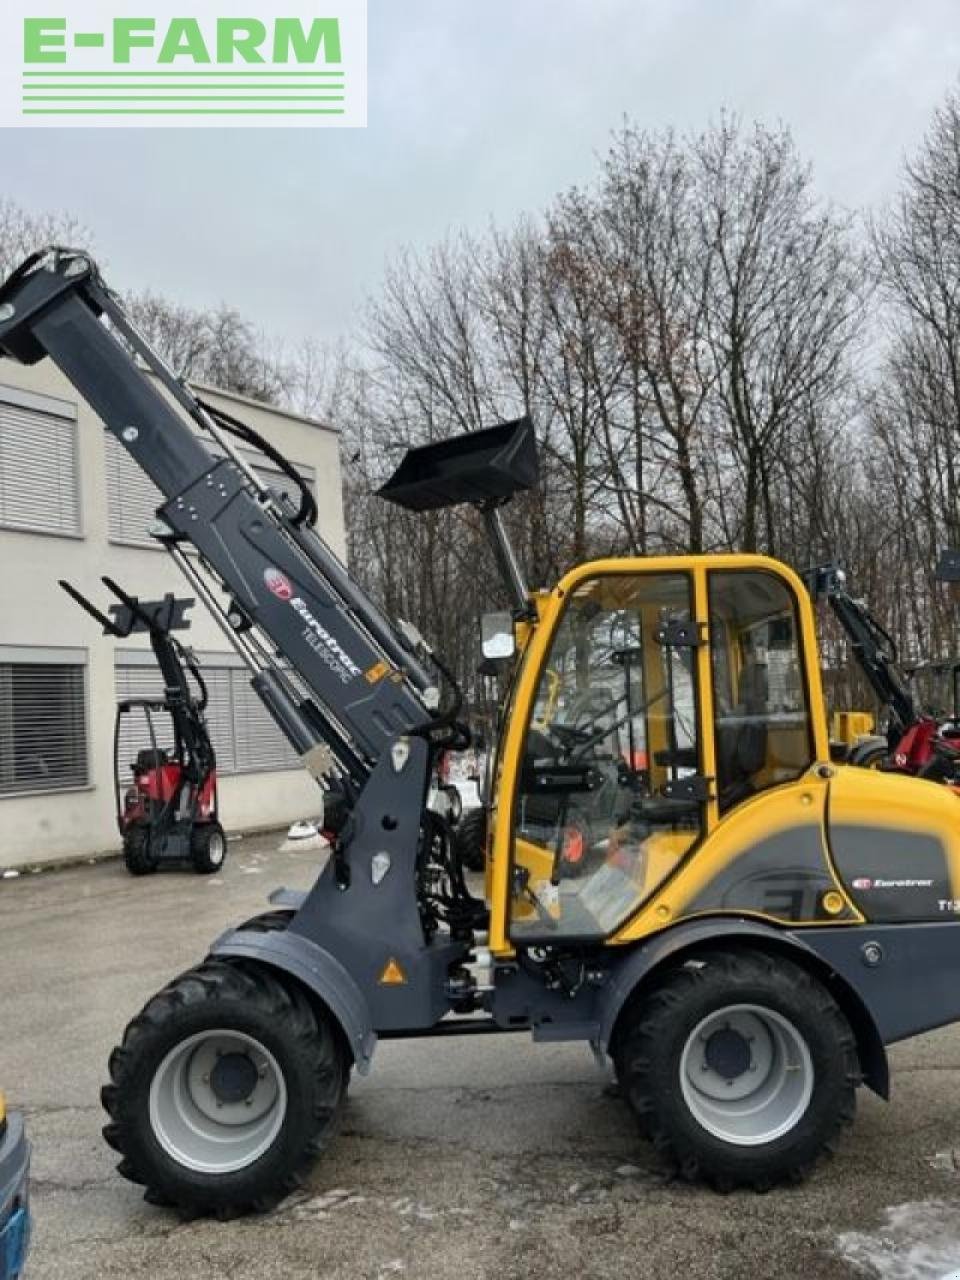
(609, 792)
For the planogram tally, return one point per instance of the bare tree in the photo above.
(218, 347)
(784, 304)
(23, 232)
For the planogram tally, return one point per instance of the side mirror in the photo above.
(497, 640)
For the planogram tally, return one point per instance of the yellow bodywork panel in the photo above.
(768, 858)
(896, 843)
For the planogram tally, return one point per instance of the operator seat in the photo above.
(150, 758)
(742, 738)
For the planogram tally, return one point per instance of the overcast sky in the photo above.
(480, 109)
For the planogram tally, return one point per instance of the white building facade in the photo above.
(73, 505)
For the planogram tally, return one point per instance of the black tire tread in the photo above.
(269, 921)
(287, 1008)
(200, 838)
(470, 839)
(137, 857)
(648, 1023)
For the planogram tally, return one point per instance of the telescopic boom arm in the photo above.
(336, 675)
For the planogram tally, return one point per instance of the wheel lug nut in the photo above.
(248, 1102)
(206, 1078)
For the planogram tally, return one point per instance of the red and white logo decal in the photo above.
(278, 583)
(863, 883)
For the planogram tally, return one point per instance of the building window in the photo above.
(43, 726)
(244, 735)
(133, 498)
(39, 475)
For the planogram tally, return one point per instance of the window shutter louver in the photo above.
(259, 743)
(132, 498)
(39, 487)
(43, 727)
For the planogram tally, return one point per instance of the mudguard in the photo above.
(641, 963)
(319, 971)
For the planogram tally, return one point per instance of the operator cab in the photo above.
(650, 719)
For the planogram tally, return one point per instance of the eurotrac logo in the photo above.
(113, 63)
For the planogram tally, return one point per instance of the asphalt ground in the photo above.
(489, 1157)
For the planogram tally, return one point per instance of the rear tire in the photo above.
(741, 1069)
(208, 848)
(235, 1142)
(470, 839)
(138, 856)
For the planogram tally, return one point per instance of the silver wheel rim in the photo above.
(746, 1074)
(216, 848)
(205, 1126)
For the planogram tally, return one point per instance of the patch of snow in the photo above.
(916, 1241)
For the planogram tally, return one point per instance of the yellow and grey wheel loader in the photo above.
(749, 925)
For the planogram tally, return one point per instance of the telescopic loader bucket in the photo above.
(480, 467)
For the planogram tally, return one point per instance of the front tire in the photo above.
(226, 1088)
(208, 848)
(741, 1068)
(138, 855)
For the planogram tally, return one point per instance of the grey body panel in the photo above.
(915, 987)
(14, 1165)
(290, 898)
(346, 929)
(317, 970)
(891, 875)
(373, 920)
(785, 876)
(521, 998)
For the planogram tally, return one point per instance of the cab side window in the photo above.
(761, 716)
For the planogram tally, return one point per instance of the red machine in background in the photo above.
(170, 811)
(922, 737)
